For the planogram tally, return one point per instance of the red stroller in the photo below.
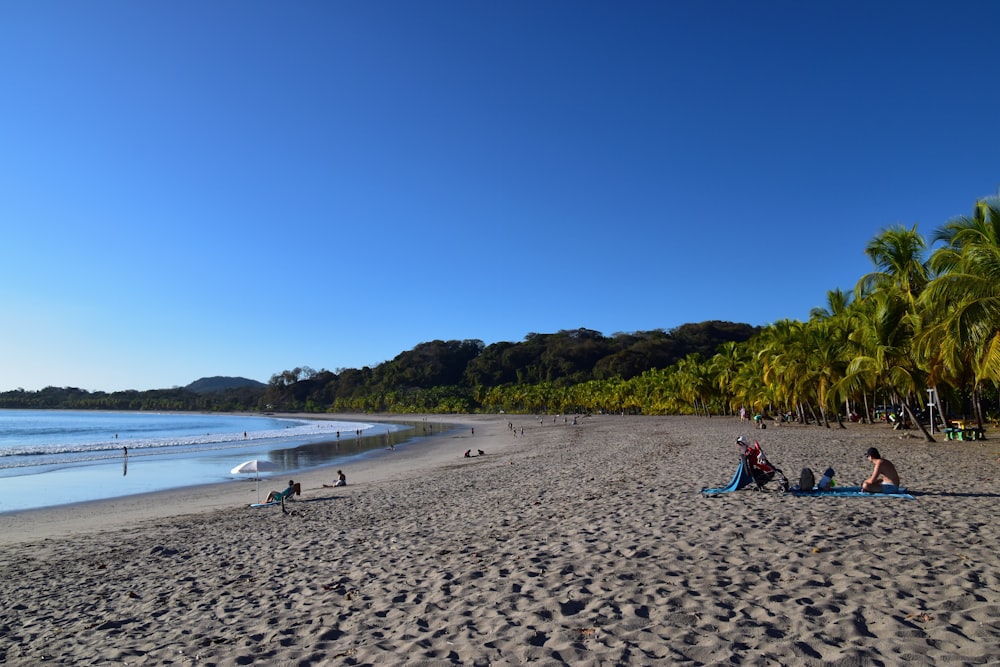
(754, 469)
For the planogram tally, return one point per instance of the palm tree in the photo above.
(725, 367)
(826, 342)
(694, 381)
(898, 256)
(837, 303)
(966, 294)
(883, 338)
(891, 315)
(782, 357)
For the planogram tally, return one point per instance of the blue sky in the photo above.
(191, 189)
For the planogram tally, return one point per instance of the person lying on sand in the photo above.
(281, 495)
(884, 477)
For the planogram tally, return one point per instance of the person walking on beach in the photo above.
(884, 477)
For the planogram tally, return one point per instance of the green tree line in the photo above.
(466, 376)
(241, 399)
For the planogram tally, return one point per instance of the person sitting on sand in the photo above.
(281, 495)
(341, 480)
(884, 477)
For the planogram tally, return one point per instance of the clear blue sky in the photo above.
(238, 188)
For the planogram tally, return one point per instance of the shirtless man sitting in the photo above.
(884, 477)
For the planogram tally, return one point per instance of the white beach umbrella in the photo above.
(255, 466)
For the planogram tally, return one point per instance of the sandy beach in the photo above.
(584, 544)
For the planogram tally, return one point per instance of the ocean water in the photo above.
(51, 458)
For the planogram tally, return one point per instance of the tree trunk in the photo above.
(815, 416)
(913, 418)
(977, 405)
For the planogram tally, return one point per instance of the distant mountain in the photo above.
(213, 384)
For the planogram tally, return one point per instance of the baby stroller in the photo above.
(754, 469)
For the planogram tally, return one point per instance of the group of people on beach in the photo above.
(295, 488)
(884, 477)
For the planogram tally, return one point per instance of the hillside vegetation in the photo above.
(436, 376)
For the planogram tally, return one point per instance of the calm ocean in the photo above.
(56, 457)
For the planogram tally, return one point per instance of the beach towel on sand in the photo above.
(851, 491)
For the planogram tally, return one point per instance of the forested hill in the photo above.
(436, 376)
(456, 376)
(217, 383)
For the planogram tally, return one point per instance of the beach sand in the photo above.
(585, 544)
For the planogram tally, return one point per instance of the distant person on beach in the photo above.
(281, 495)
(341, 479)
(884, 477)
(125, 451)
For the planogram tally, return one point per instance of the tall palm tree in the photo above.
(782, 355)
(898, 256)
(695, 384)
(724, 367)
(966, 292)
(885, 352)
(826, 342)
(891, 314)
(837, 303)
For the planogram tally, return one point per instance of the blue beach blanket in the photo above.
(854, 491)
(741, 479)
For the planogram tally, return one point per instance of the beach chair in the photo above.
(279, 497)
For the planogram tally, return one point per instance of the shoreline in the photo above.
(575, 545)
(88, 516)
